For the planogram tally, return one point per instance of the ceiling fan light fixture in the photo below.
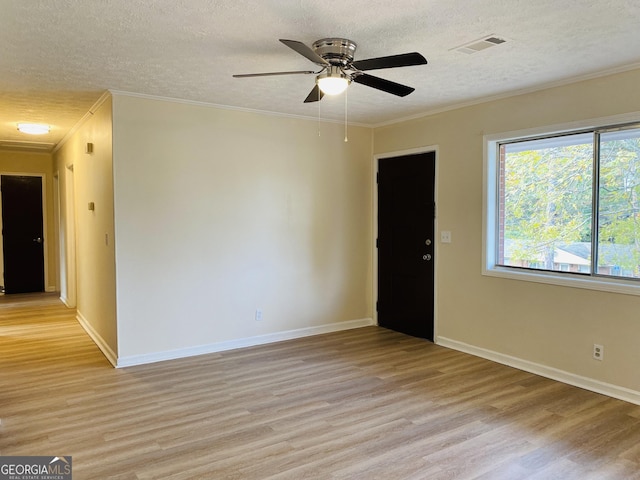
(33, 128)
(333, 82)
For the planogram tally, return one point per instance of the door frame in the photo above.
(45, 244)
(375, 169)
(67, 235)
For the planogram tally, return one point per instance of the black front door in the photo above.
(22, 235)
(405, 243)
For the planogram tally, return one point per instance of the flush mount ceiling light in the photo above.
(333, 81)
(33, 128)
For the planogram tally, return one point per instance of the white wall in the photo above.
(89, 237)
(221, 212)
(543, 325)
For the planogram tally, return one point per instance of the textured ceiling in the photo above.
(59, 56)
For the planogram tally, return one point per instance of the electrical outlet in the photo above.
(598, 351)
(258, 315)
(445, 237)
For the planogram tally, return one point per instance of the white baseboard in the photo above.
(604, 388)
(65, 300)
(99, 341)
(240, 343)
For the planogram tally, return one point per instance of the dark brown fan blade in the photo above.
(382, 84)
(246, 75)
(392, 61)
(315, 95)
(305, 51)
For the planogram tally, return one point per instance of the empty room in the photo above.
(320, 240)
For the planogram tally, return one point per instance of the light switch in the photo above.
(445, 237)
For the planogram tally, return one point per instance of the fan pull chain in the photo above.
(346, 136)
(319, 97)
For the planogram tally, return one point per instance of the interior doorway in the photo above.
(405, 243)
(67, 236)
(23, 239)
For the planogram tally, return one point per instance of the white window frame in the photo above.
(490, 211)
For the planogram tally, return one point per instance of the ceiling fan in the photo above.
(335, 56)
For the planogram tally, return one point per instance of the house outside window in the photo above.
(565, 204)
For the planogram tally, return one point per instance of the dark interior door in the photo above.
(405, 243)
(22, 236)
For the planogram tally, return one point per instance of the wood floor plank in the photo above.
(363, 404)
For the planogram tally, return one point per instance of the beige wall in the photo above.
(221, 212)
(38, 163)
(549, 325)
(88, 178)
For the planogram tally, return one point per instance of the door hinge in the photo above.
(376, 243)
(377, 177)
(434, 209)
(377, 308)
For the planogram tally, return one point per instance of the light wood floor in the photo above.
(361, 404)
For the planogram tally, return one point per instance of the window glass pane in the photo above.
(619, 204)
(545, 203)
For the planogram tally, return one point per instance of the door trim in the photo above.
(68, 237)
(376, 163)
(45, 244)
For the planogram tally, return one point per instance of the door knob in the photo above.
(38, 240)
(426, 257)
(427, 242)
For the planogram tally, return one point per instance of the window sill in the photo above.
(613, 285)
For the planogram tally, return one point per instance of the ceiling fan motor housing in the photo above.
(336, 51)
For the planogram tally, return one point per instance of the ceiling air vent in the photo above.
(479, 45)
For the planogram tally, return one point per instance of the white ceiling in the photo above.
(59, 56)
